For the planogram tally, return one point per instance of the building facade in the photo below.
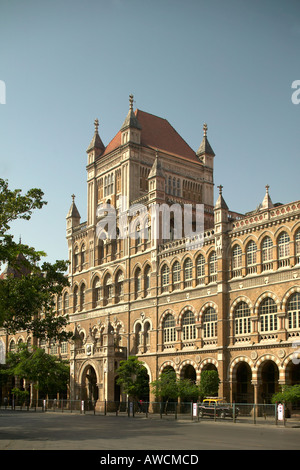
(230, 301)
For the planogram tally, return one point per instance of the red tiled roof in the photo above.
(157, 133)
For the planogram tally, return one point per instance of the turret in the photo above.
(131, 128)
(205, 153)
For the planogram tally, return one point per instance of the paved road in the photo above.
(54, 431)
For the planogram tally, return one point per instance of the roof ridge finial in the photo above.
(73, 198)
(131, 101)
(220, 189)
(267, 188)
(204, 129)
(96, 123)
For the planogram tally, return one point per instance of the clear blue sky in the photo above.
(229, 63)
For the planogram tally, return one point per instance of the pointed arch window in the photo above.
(237, 261)
(96, 292)
(165, 273)
(82, 297)
(293, 311)
(242, 321)
(251, 258)
(210, 323)
(176, 275)
(213, 267)
(169, 332)
(268, 315)
(75, 299)
(283, 250)
(66, 303)
(188, 326)
(119, 286)
(147, 274)
(267, 254)
(200, 270)
(188, 272)
(138, 282)
(108, 289)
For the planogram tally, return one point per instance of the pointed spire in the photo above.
(131, 119)
(96, 142)
(267, 201)
(73, 211)
(205, 147)
(221, 204)
(156, 169)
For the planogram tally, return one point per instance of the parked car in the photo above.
(213, 405)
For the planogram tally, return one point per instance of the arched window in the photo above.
(59, 303)
(188, 272)
(66, 303)
(119, 286)
(297, 247)
(165, 272)
(267, 254)
(138, 336)
(169, 332)
(76, 259)
(293, 311)
(147, 335)
(237, 261)
(283, 250)
(212, 265)
(242, 322)
(200, 270)
(12, 345)
(210, 323)
(82, 296)
(268, 315)
(96, 292)
(251, 252)
(108, 289)
(83, 257)
(147, 274)
(188, 326)
(138, 283)
(75, 299)
(176, 275)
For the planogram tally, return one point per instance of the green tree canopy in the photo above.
(28, 290)
(209, 383)
(288, 394)
(49, 374)
(133, 377)
(168, 387)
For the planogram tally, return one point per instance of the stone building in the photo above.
(230, 301)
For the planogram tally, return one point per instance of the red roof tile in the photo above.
(157, 133)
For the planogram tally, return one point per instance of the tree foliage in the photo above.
(49, 374)
(133, 377)
(168, 387)
(209, 383)
(288, 394)
(27, 295)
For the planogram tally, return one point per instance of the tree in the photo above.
(49, 374)
(288, 394)
(168, 387)
(209, 383)
(133, 377)
(27, 292)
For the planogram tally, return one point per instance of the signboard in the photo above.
(195, 406)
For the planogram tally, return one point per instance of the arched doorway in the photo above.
(89, 384)
(188, 372)
(244, 388)
(269, 376)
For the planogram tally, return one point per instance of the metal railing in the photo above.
(240, 412)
